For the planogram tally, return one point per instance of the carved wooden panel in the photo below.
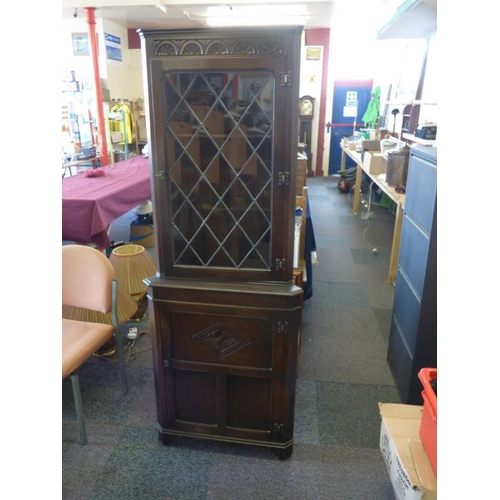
(245, 341)
(229, 46)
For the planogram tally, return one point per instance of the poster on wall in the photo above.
(351, 104)
(313, 53)
(113, 49)
(80, 44)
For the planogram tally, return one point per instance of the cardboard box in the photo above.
(407, 462)
(116, 137)
(370, 145)
(374, 163)
(142, 234)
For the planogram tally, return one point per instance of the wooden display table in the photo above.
(397, 198)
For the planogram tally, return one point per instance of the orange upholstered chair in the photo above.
(88, 281)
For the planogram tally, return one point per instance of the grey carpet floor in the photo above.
(343, 375)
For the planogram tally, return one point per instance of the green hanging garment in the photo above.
(372, 111)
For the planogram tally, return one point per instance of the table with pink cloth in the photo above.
(91, 204)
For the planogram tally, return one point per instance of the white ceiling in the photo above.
(192, 13)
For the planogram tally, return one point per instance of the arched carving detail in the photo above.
(217, 47)
(191, 48)
(166, 49)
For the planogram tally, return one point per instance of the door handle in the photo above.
(328, 125)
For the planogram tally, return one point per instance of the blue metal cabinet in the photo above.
(413, 337)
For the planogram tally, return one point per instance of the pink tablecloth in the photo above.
(90, 204)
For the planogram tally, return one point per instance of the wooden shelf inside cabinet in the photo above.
(411, 114)
(411, 103)
(417, 140)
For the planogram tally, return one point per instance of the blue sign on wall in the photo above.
(113, 47)
(108, 37)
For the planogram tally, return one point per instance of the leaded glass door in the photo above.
(222, 141)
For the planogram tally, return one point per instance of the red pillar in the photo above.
(101, 124)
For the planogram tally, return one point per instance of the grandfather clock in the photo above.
(306, 115)
(225, 315)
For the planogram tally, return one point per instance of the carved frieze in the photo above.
(225, 47)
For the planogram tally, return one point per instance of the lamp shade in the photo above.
(132, 264)
(126, 308)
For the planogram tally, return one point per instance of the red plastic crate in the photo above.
(428, 425)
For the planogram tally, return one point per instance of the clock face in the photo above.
(306, 108)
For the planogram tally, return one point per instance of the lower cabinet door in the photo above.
(225, 372)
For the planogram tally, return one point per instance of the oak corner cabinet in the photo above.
(225, 314)
(413, 336)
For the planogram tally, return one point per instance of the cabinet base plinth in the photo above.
(281, 450)
(166, 439)
(283, 453)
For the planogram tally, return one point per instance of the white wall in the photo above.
(430, 90)
(123, 79)
(136, 84)
(81, 64)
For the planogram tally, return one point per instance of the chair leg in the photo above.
(121, 359)
(79, 408)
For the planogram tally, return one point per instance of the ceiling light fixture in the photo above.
(251, 15)
(257, 10)
(256, 21)
(160, 5)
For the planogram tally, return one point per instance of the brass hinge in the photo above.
(278, 428)
(160, 174)
(280, 264)
(283, 178)
(286, 78)
(282, 326)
